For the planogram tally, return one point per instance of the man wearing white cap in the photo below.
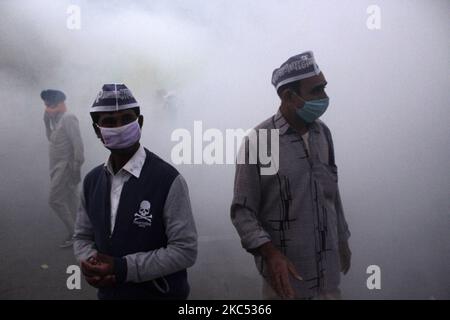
(293, 221)
(135, 235)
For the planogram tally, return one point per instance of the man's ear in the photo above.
(97, 131)
(141, 120)
(286, 96)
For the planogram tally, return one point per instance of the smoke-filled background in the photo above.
(389, 115)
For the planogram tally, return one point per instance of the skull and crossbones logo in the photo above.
(143, 218)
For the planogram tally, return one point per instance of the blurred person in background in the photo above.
(66, 158)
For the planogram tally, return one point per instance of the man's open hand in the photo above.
(280, 269)
(345, 256)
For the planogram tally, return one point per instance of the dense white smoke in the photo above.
(389, 117)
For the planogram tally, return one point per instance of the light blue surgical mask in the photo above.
(312, 109)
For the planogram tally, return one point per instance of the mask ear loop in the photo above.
(298, 96)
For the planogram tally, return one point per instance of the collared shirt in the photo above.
(299, 208)
(132, 167)
(305, 138)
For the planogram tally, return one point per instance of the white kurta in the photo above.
(66, 158)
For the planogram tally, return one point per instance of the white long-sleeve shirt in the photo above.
(66, 144)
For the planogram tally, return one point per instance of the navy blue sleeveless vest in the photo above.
(131, 232)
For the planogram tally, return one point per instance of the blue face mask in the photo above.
(312, 109)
